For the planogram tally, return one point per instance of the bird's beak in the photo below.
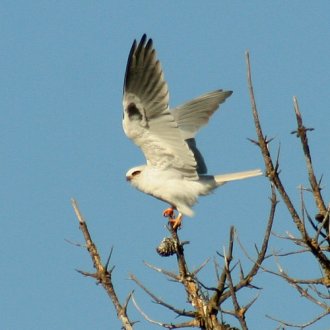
(129, 178)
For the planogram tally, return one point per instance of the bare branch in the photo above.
(198, 269)
(246, 280)
(300, 326)
(169, 274)
(239, 312)
(160, 301)
(305, 293)
(215, 300)
(206, 309)
(190, 324)
(273, 176)
(102, 274)
(189, 281)
(271, 170)
(262, 253)
(302, 134)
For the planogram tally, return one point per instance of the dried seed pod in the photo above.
(167, 247)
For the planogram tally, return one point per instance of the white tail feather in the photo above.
(223, 178)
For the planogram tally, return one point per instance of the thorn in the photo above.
(108, 260)
(268, 140)
(110, 270)
(301, 131)
(254, 142)
(197, 270)
(75, 243)
(87, 274)
(128, 298)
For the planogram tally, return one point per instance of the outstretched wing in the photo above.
(194, 114)
(147, 119)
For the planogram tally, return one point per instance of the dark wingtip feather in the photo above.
(141, 44)
(129, 61)
(143, 39)
(224, 91)
(149, 44)
(136, 49)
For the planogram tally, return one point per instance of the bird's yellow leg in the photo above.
(169, 212)
(176, 222)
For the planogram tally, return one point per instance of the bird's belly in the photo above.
(174, 191)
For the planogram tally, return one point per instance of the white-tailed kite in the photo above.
(175, 171)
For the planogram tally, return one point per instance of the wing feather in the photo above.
(147, 119)
(196, 113)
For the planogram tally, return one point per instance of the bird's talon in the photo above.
(176, 223)
(169, 213)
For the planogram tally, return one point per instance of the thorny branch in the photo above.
(239, 312)
(299, 326)
(189, 324)
(301, 132)
(221, 296)
(207, 318)
(206, 308)
(271, 170)
(273, 176)
(160, 301)
(102, 274)
(317, 244)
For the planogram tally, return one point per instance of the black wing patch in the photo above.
(201, 166)
(133, 112)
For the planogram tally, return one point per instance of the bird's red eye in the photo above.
(135, 173)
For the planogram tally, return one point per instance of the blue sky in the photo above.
(62, 65)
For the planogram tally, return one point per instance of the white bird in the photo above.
(175, 171)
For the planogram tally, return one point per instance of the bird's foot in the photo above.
(176, 222)
(169, 213)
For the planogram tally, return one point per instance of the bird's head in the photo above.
(134, 173)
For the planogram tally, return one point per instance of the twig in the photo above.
(239, 311)
(206, 310)
(188, 280)
(161, 302)
(103, 275)
(302, 134)
(247, 279)
(273, 176)
(190, 324)
(304, 293)
(198, 269)
(300, 326)
(218, 295)
(169, 274)
(271, 170)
